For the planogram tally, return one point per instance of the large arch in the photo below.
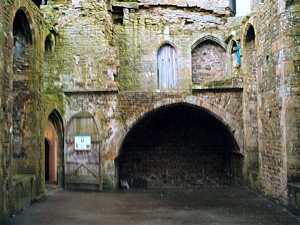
(179, 145)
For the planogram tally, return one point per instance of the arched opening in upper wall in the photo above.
(179, 145)
(208, 60)
(48, 44)
(22, 59)
(40, 2)
(22, 42)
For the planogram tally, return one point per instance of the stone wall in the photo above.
(143, 31)
(99, 60)
(208, 62)
(22, 102)
(2, 166)
(276, 88)
(83, 52)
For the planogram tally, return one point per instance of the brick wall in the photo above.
(208, 62)
(276, 85)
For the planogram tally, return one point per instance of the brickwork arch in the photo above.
(209, 38)
(225, 107)
(208, 60)
(179, 138)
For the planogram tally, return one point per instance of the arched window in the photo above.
(167, 68)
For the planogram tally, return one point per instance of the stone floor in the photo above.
(211, 206)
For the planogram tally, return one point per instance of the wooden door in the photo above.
(167, 68)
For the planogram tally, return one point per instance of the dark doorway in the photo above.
(180, 145)
(47, 164)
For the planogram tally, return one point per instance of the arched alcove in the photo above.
(22, 55)
(208, 61)
(251, 120)
(167, 68)
(179, 145)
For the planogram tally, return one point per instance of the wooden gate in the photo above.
(82, 153)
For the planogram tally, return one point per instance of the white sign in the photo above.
(82, 142)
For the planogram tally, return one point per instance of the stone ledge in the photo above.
(91, 91)
(23, 191)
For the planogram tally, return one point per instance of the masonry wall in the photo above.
(83, 50)
(2, 181)
(143, 31)
(100, 59)
(276, 88)
(22, 105)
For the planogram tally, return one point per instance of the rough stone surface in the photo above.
(91, 68)
(155, 206)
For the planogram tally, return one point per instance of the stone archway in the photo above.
(54, 155)
(208, 61)
(179, 145)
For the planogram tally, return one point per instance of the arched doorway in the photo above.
(179, 145)
(54, 149)
(167, 68)
(50, 153)
(47, 160)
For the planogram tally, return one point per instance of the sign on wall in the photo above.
(82, 142)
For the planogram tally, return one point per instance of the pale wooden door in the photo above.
(167, 68)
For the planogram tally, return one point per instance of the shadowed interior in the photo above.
(179, 145)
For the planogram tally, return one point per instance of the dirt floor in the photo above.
(211, 206)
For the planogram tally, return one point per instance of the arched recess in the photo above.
(250, 99)
(167, 78)
(208, 60)
(22, 60)
(54, 153)
(82, 153)
(179, 145)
